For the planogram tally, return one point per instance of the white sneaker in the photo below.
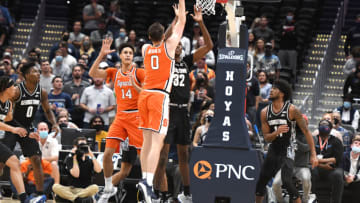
(104, 198)
(184, 198)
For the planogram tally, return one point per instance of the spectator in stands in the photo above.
(34, 57)
(59, 100)
(353, 81)
(195, 35)
(263, 31)
(18, 72)
(202, 92)
(259, 53)
(352, 37)
(97, 123)
(97, 99)
(46, 76)
(76, 37)
(67, 58)
(29, 179)
(70, 47)
(74, 88)
(122, 38)
(2, 69)
(263, 99)
(329, 152)
(115, 18)
(81, 165)
(350, 65)
(92, 13)
(210, 56)
(254, 24)
(251, 46)
(346, 136)
(201, 131)
(301, 167)
(186, 45)
(352, 173)
(9, 52)
(328, 116)
(63, 121)
(59, 68)
(49, 147)
(98, 35)
(288, 41)
(253, 92)
(201, 67)
(86, 48)
(270, 63)
(9, 70)
(3, 36)
(349, 115)
(132, 38)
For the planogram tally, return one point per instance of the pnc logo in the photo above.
(202, 169)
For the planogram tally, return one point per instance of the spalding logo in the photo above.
(203, 170)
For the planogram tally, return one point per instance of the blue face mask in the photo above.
(43, 134)
(289, 18)
(58, 58)
(355, 149)
(325, 130)
(347, 104)
(122, 34)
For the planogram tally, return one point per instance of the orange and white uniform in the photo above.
(154, 100)
(126, 122)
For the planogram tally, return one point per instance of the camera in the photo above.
(84, 148)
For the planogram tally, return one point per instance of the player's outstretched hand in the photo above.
(35, 135)
(20, 131)
(105, 48)
(55, 128)
(176, 10)
(197, 16)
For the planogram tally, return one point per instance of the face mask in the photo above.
(86, 43)
(98, 127)
(289, 18)
(63, 125)
(122, 34)
(324, 130)
(347, 105)
(65, 37)
(336, 121)
(355, 149)
(59, 59)
(43, 134)
(208, 118)
(2, 72)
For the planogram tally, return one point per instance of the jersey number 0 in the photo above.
(154, 62)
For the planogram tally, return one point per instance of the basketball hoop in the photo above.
(208, 6)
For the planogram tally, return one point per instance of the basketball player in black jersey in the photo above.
(179, 126)
(28, 96)
(278, 121)
(7, 157)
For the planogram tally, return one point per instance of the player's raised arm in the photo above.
(178, 29)
(48, 112)
(95, 71)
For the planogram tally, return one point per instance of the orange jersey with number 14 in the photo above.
(158, 68)
(126, 94)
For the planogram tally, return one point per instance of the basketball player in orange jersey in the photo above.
(154, 99)
(126, 121)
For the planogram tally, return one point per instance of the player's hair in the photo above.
(155, 32)
(25, 69)
(5, 82)
(284, 87)
(125, 45)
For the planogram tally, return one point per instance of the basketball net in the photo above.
(208, 8)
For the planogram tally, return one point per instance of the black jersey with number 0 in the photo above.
(180, 92)
(26, 106)
(4, 110)
(274, 120)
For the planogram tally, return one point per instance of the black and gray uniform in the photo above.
(179, 127)
(281, 152)
(5, 152)
(25, 108)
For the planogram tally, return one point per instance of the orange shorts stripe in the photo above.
(125, 125)
(154, 110)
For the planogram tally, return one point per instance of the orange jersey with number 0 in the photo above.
(126, 94)
(158, 68)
